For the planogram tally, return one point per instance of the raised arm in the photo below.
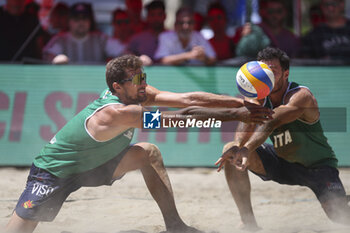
(156, 97)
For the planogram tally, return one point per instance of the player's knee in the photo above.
(151, 151)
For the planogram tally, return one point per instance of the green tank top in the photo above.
(302, 142)
(73, 150)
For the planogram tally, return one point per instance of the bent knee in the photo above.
(148, 147)
(151, 150)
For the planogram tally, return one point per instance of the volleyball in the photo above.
(255, 80)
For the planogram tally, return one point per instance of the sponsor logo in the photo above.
(128, 134)
(154, 120)
(151, 120)
(334, 186)
(106, 94)
(192, 123)
(28, 204)
(41, 189)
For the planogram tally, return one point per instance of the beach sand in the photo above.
(202, 198)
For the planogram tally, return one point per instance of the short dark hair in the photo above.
(157, 4)
(81, 9)
(270, 53)
(116, 69)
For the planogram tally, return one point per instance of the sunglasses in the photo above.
(136, 79)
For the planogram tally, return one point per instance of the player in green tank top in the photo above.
(300, 154)
(94, 149)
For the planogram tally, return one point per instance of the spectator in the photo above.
(184, 45)
(122, 30)
(80, 45)
(59, 18)
(144, 44)
(252, 40)
(222, 44)
(273, 14)
(19, 32)
(44, 11)
(58, 22)
(331, 38)
(32, 7)
(315, 15)
(134, 10)
(198, 21)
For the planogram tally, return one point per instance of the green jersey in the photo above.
(73, 150)
(302, 142)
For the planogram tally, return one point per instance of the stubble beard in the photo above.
(135, 100)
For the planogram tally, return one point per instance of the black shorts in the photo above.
(45, 193)
(324, 181)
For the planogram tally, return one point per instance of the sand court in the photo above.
(202, 197)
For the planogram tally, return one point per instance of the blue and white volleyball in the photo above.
(255, 80)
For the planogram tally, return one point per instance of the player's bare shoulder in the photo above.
(125, 114)
(118, 115)
(302, 97)
(114, 119)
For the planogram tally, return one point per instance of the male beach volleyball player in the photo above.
(94, 148)
(300, 155)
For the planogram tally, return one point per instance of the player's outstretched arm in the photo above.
(156, 97)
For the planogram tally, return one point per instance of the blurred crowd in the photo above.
(71, 35)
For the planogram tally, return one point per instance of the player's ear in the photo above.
(286, 74)
(116, 86)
